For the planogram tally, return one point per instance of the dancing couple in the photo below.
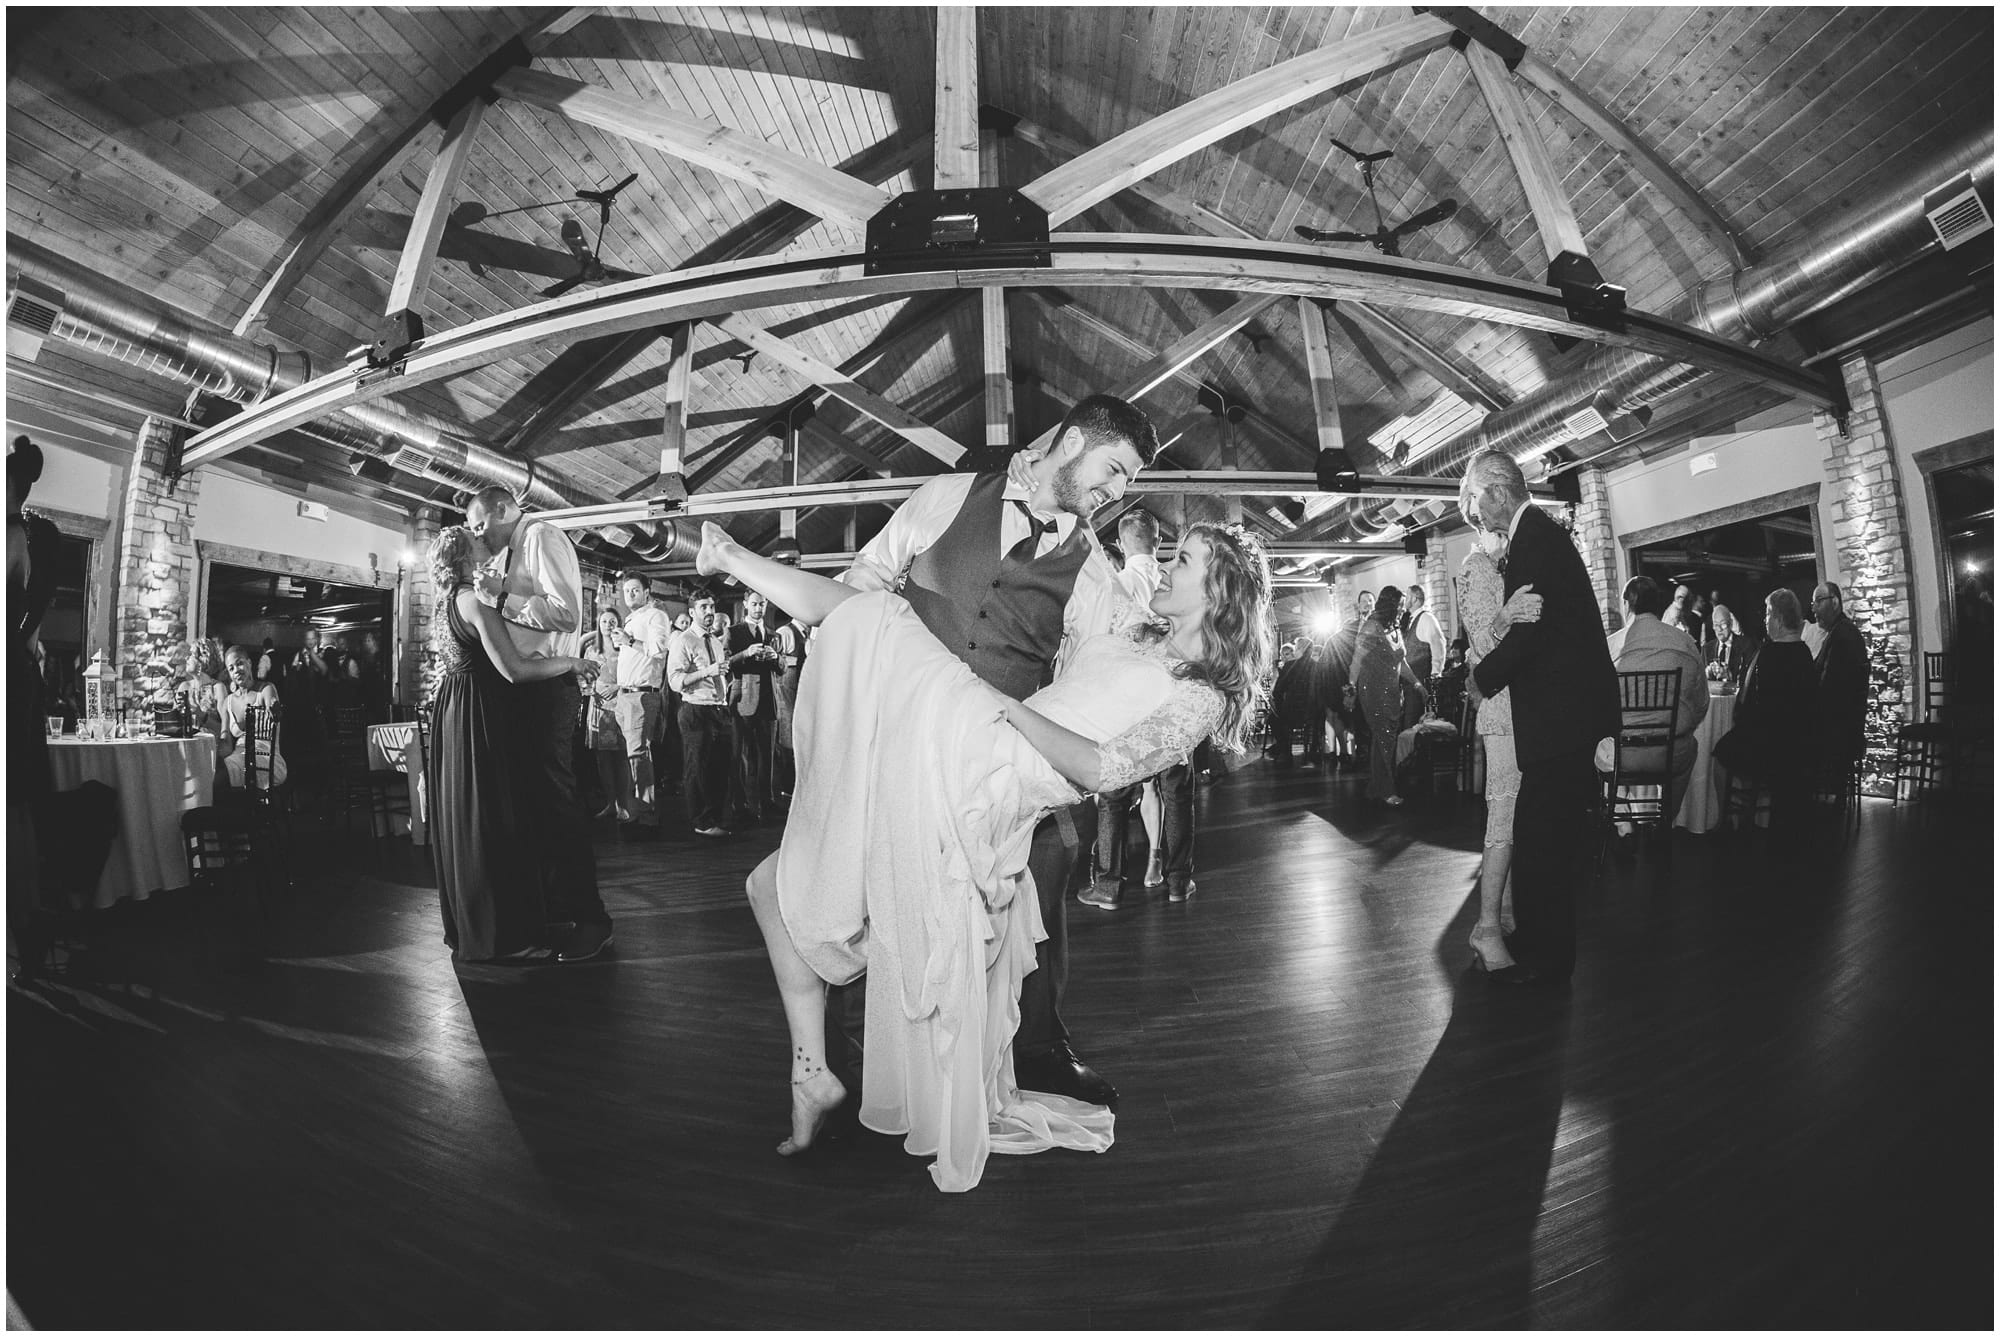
(510, 837)
(978, 672)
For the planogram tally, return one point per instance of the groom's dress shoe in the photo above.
(1514, 974)
(1060, 1071)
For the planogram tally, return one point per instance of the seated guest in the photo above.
(245, 690)
(1841, 662)
(1777, 713)
(1728, 648)
(1645, 645)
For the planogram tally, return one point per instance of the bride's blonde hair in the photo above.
(1237, 636)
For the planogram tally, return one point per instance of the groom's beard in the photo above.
(1070, 495)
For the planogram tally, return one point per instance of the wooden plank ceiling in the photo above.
(186, 151)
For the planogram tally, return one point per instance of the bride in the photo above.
(919, 787)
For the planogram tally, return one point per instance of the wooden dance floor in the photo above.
(1767, 1102)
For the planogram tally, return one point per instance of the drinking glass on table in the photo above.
(55, 726)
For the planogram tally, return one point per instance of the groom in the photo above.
(1005, 571)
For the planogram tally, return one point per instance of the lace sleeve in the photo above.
(1163, 738)
(1480, 597)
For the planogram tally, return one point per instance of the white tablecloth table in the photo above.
(157, 780)
(1701, 810)
(400, 747)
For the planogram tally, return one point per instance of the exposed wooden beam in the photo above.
(792, 177)
(673, 419)
(1553, 216)
(848, 391)
(587, 365)
(323, 222)
(1102, 172)
(1319, 366)
(1173, 360)
(995, 346)
(1641, 158)
(956, 125)
(1468, 382)
(413, 271)
(912, 321)
(1122, 260)
(838, 442)
(1092, 321)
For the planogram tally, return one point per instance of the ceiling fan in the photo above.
(589, 259)
(1384, 238)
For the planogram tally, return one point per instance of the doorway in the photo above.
(276, 616)
(1962, 499)
(1739, 563)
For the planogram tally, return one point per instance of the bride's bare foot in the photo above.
(813, 1098)
(716, 549)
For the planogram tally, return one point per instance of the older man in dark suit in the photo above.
(1565, 698)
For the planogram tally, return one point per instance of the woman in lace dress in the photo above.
(905, 854)
(1487, 614)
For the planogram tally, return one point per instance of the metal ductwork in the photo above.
(84, 309)
(1854, 251)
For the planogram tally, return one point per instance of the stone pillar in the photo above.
(1594, 541)
(1870, 536)
(1436, 580)
(420, 599)
(156, 563)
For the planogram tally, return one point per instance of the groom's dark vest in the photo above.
(1003, 617)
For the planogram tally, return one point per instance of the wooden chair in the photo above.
(221, 843)
(1838, 788)
(1642, 753)
(355, 785)
(264, 796)
(1950, 749)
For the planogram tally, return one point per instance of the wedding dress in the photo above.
(906, 852)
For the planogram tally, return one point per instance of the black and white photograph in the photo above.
(980, 667)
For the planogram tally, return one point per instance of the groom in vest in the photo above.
(1005, 571)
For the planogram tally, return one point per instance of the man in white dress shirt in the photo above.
(532, 579)
(698, 670)
(642, 673)
(1007, 574)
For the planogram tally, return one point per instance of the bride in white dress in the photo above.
(905, 853)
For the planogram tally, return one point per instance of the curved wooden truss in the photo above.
(1079, 259)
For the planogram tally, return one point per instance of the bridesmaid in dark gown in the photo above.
(32, 543)
(487, 881)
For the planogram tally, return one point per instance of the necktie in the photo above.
(1025, 550)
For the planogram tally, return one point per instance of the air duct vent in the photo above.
(32, 312)
(1956, 212)
(1584, 421)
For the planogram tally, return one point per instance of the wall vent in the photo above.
(32, 312)
(1956, 212)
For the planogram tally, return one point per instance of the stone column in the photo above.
(1594, 541)
(1436, 580)
(420, 600)
(156, 563)
(1870, 536)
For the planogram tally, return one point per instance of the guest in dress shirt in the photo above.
(1728, 652)
(642, 673)
(753, 659)
(530, 576)
(1644, 645)
(1423, 638)
(791, 640)
(698, 669)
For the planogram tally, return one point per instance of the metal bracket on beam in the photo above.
(400, 332)
(978, 227)
(1475, 27)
